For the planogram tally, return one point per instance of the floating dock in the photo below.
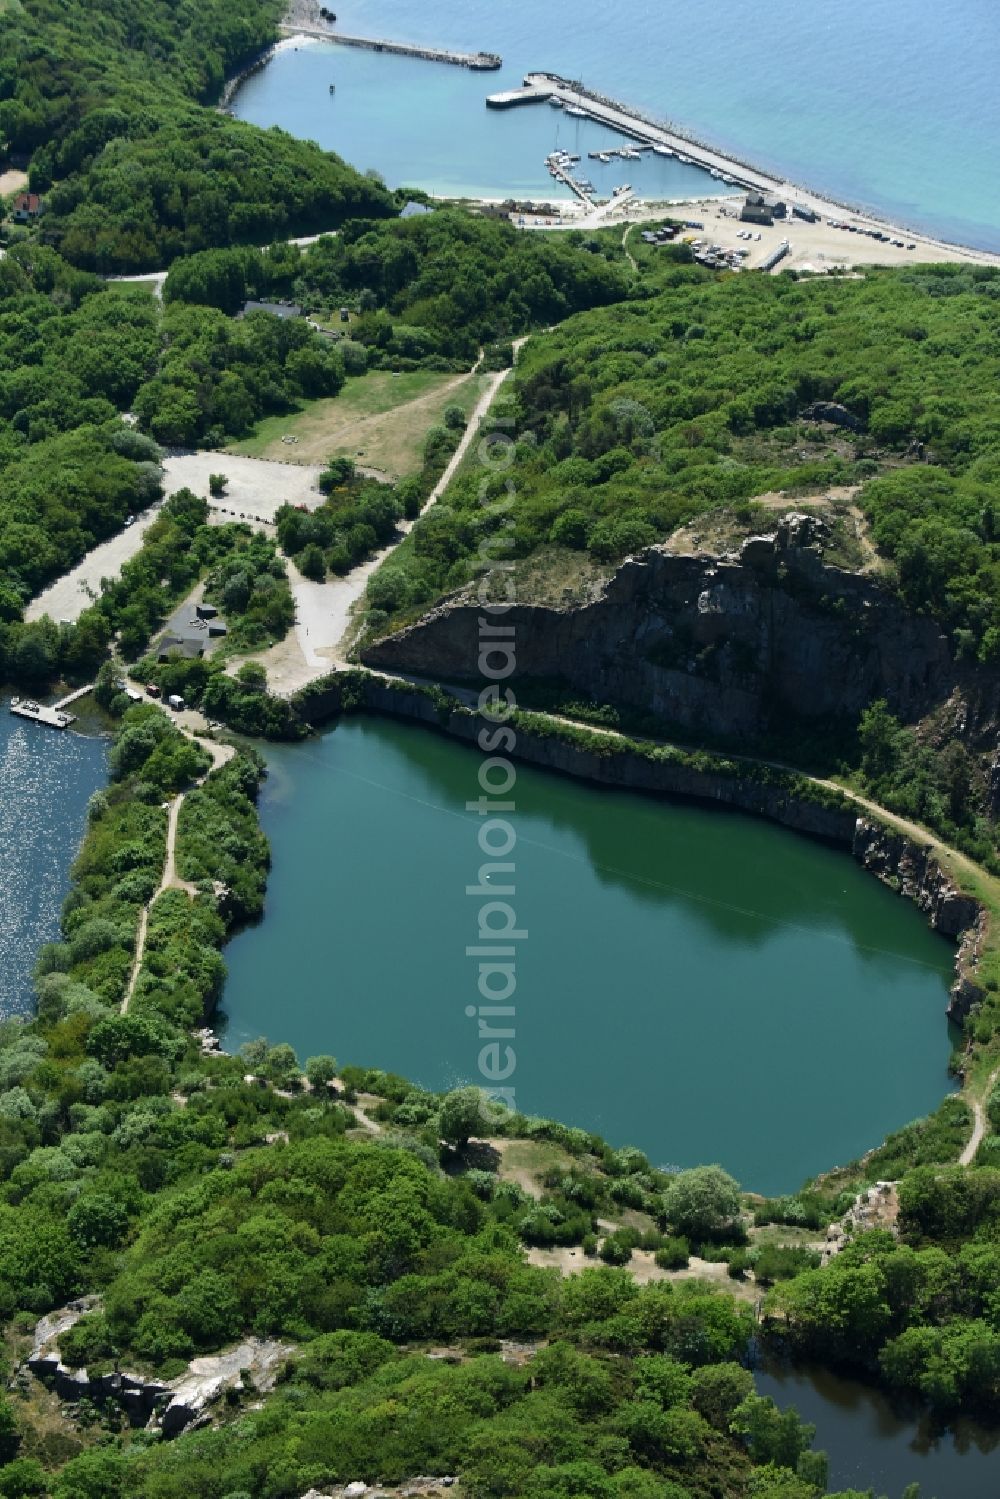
(481, 62)
(645, 134)
(52, 718)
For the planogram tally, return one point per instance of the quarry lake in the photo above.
(700, 984)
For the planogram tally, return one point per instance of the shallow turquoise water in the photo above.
(46, 779)
(887, 103)
(703, 985)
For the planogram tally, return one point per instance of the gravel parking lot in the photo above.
(257, 487)
(256, 490)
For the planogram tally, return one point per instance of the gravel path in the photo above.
(978, 1106)
(75, 591)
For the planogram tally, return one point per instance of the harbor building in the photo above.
(763, 208)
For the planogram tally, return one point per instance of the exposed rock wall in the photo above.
(716, 646)
(621, 767)
(174, 1406)
(913, 870)
(907, 867)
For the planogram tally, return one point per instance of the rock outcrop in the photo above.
(713, 647)
(175, 1405)
(913, 870)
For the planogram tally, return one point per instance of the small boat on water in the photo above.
(555, 104)
(577, 112)
(663, 151)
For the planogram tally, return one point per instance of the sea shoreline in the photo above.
(868, 219)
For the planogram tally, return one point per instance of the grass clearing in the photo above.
(379, 419)
(527, 1161)
(780, 1235)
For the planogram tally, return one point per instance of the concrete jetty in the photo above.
(564, 175)
(644, 132)
(483, 62)
(52, 718)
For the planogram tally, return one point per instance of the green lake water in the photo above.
(883, 1444)
(701, 984)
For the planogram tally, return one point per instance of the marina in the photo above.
(560, 165)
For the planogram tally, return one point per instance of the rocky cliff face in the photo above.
(720, 646)
(915, 872)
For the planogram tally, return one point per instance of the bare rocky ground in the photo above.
(172, 1405)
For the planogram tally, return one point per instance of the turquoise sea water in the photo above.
(46, 779)
(705, 986)
(888, 103)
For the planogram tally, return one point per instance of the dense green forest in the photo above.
(110, 99)
(202, 1197)
(425, 292)
(217, 376)
(633, 420)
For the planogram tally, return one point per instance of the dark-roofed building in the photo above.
(276, 309)
(183, 647)
(762, 208)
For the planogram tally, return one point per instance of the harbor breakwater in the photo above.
(481, 62)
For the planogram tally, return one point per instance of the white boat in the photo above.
(663, 151)
(577, 112)
(555, 104)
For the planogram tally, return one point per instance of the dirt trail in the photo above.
(169, 880)
(628, 253)
(980, 1121)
